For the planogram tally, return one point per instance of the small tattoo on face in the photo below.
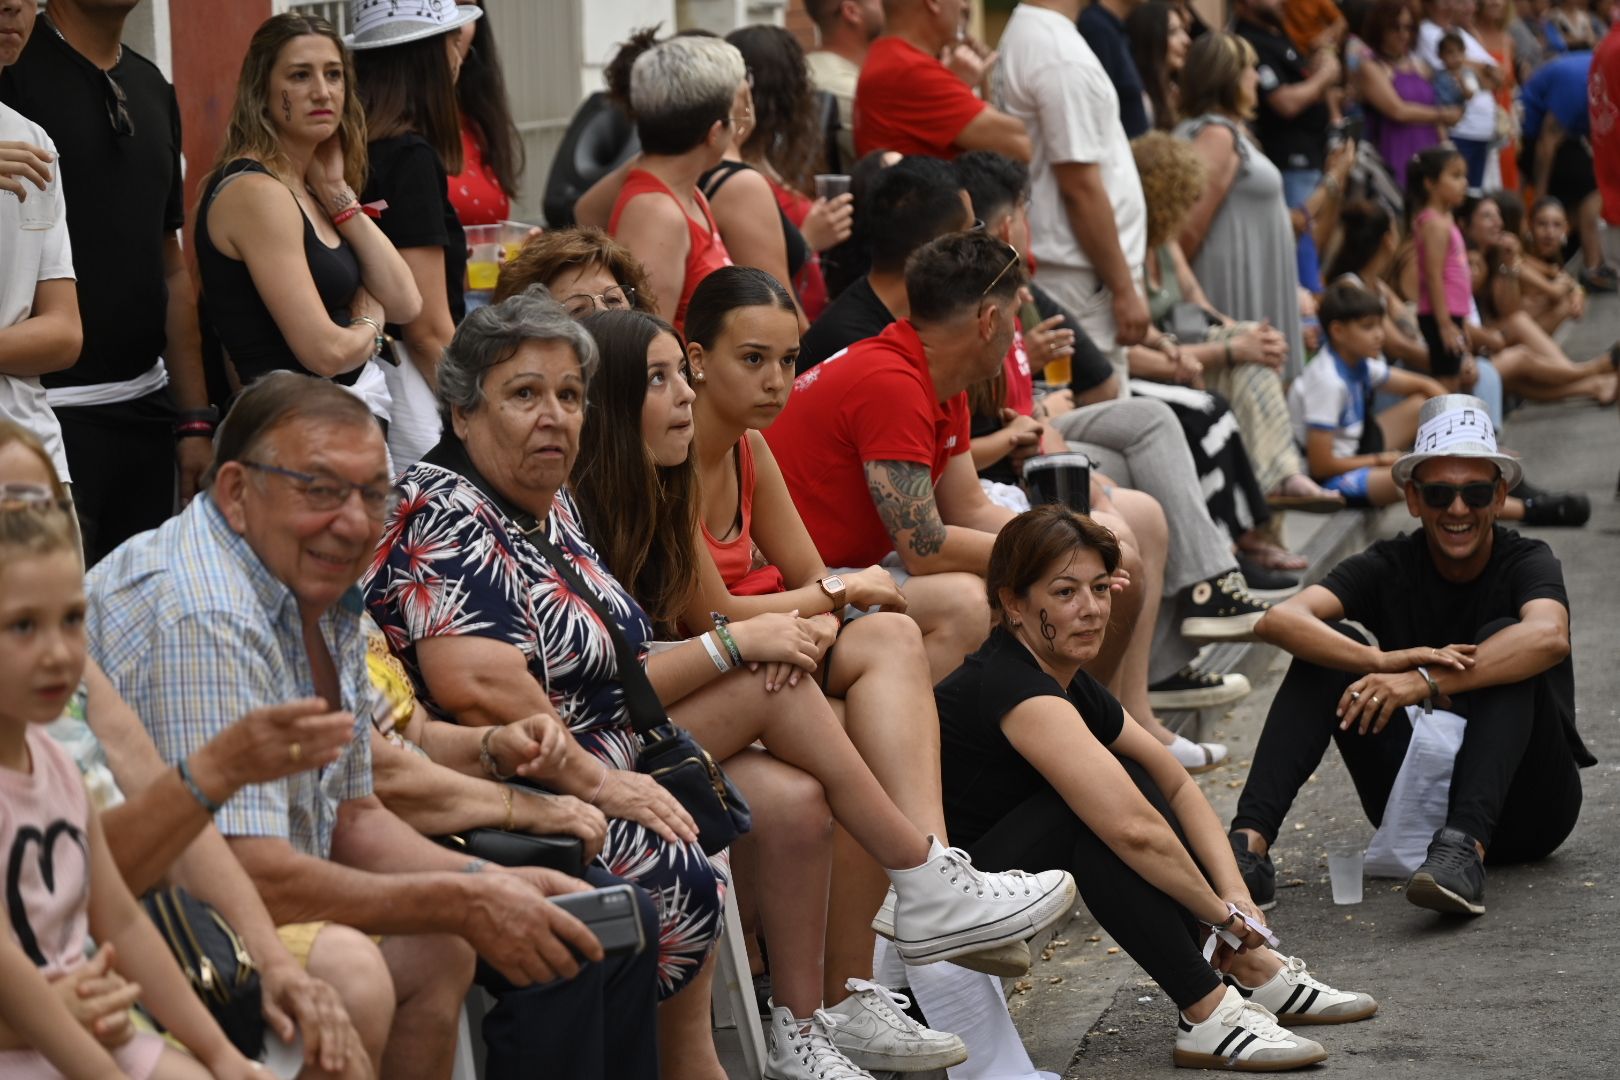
(286, 105)
(1048, 631)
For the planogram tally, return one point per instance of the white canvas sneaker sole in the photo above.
(903, 1063)
(1018, 927)
(1007, 961)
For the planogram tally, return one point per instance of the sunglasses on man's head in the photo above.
(1477, 495)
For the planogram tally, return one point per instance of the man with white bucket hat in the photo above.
(1467, 616)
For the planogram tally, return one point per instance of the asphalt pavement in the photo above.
(1527, 990)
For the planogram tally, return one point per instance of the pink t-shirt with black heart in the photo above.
(45, 843)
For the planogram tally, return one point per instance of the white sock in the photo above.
(1189, 753)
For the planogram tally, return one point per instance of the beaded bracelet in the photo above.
(196, 792)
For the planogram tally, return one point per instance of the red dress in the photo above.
(707, 252)
(474, 192)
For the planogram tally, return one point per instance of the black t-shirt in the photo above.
(856, 315)
(123, 194)
(1105, 33)
(406, 171)
(1299, 141)
(1394, 590)
(985, 777)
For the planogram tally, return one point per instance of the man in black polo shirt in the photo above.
(1469, 617)
(1293, 123)
(1103, 26)
(116, 123)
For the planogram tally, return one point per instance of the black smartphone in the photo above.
(610, 914)
(1348, 130)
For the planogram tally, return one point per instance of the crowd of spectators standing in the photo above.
(316, 544)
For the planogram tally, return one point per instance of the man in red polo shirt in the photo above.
(915, 94)
(874, 442)
(1603, 94)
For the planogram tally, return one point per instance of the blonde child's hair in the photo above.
(30, 530)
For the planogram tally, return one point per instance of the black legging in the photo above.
(1157, 932)
(1514, 787)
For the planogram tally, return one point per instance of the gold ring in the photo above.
(296, 752)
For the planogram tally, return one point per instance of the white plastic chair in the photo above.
(733, 995)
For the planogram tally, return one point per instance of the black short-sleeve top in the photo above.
(406, 172)
(985, 777)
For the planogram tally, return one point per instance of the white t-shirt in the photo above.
(28, 257)
(1479, 115)
(1049, 78)
(1330, 395)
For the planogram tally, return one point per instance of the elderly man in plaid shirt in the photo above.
(248, 598)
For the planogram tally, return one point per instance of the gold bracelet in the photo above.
(506, 796)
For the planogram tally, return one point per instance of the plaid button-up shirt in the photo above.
(195, 631)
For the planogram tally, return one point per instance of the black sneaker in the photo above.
(1452, 877)
(1267, 584)
(1570, 509)
(1258, 873)
(1221, 609)
(1190, 688)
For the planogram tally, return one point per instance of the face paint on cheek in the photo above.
(286, 105)
(1048, 631)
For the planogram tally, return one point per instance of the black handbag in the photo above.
(562, 853)
(669, 754)
(215, 962)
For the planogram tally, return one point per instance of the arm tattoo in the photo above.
(903, 493)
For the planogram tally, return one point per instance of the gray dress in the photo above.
(1247, 263)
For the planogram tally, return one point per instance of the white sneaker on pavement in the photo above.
(874, 1032)
(803, 1049)
(1007, 961)
(945, 908)
(1295, 997)
(1244, 1037)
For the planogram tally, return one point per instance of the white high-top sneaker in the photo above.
(945, 908)
(1005, 961)
(804, 1050)
(1244, 1037)
(874, 1032)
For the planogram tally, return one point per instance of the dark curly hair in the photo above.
(785, 133)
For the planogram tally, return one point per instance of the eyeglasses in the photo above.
(118, 108)
(1477, 495)
(31, 497)
(326, 493)
(616, 298)
(1012, 262)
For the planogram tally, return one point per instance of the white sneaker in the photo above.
(874, 1032)
(1006, 961)
(804, 1050)
(1295, 997)
(945, 908)
(1242, 1036)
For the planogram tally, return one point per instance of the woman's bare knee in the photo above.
(352, 964)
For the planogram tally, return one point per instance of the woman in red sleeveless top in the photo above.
(685, 95)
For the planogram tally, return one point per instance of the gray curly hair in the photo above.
(491, 335)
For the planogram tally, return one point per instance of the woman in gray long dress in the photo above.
(1242, 247)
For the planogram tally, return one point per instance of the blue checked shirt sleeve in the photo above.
(200, 676)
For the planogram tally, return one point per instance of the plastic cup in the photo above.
(831, 185)
(483, 257)
(282, 1060)
(513, 235)
(38, 212)
(1057, 372)
(1344, 870)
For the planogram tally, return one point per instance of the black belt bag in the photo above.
(215, 962)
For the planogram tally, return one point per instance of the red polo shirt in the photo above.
(1603, 92)
(874, 401)
(908, 101)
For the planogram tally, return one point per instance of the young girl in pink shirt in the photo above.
(62, 885)
(1436, 184)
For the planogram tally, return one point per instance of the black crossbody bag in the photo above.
(669, 754)
(215, 963)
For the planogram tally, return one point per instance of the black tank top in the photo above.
(798, 252)
(240, 318)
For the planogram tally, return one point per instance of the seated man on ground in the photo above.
(248, 598)
(1469, 617)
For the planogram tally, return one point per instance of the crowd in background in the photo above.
(895, 421)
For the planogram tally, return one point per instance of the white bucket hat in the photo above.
(378, 24)
(1456, 426)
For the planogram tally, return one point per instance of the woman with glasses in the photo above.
(295, 275)
(689, 97)
(584, 270)
(1393, 86)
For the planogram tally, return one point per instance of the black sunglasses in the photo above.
(118, 108)
(1477, 495)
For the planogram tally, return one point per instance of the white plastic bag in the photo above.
(1418, 801)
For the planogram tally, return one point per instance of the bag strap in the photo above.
(646, 712)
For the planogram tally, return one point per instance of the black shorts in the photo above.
(1442, 363)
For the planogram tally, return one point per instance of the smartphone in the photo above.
(610, 914)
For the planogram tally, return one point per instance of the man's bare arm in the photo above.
(903, 493)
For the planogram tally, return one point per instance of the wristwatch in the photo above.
(833, 586)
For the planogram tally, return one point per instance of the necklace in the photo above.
(119, 59)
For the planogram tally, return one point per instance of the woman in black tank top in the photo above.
(295, 274)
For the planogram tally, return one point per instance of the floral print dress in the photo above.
(451, 563)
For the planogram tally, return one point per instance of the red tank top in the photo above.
(742, 565)
(707, 252)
